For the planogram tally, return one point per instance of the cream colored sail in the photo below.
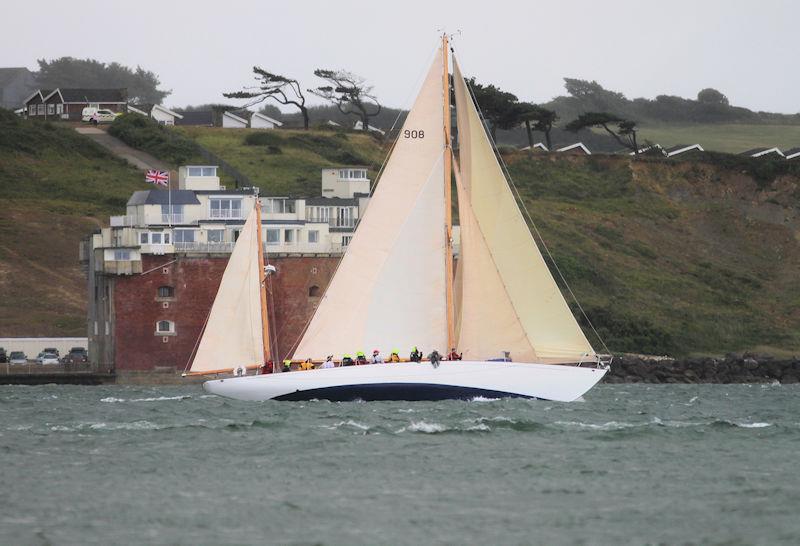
(233, 333)
(389, 289)
(551, 333)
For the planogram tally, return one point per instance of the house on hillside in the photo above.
(164, 116)
(793, 153)
(15, 84)
(575, 149)
(263, 121)
(761, 152)
(654, 149)
(682, 149)
(232, 121)
(538, 147)
(360, 127)
(68, 104)
(196, 118)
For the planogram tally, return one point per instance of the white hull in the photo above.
(416, 381)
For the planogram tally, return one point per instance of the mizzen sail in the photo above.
(496, 231)
(389, 289)
(233, 333)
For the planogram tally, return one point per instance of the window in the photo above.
(279, 205)
(318, 214)
(32, 110)
(59, 108)
(352, 174)
(166, 238)
(155, 238)
(216, 235)
(166, 292)
(122, 255)
(313, 236)
(314, 292)
(165, 327)
(51, 109)
(184, 235)
(346, 240)
(143, 238)
(226, 208)
(273, 236)
(177, 214)
(288, 236)
(202, 171)
(40, 109)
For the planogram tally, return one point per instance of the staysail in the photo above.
(509, 301)
(233, 334)
(389, 289)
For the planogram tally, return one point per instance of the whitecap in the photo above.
(484, 399)
(610, 425)
(479, 427)
(134, 425)
(112, 400)
(348, 423)
(160, 398)
(428, 428)
(753, 425)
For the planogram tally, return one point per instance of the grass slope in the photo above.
(57, 186)
(720, 137)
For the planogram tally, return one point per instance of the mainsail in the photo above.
(509, 301)
(233, 334)
(389, 289)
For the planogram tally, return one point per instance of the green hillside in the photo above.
(666, 256)
(723, 137)
(56, 187)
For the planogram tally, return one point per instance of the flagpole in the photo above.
(169, 196)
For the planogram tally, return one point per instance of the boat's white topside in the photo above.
(546, 381)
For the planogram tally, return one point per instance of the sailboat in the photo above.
(397, 284)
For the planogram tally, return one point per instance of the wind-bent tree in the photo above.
(709, 95)
(538, 118)
(500, 108)
(349, 93)
(625, 133)
(281, 89)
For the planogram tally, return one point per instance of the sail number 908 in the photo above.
(413, 133)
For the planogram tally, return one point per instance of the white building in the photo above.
(262, 121)
(164, 116)
(202, 216)
(232, 121)
(359, 126)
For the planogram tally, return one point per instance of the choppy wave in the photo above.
(114, 400)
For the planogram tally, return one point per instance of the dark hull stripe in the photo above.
(395, 391)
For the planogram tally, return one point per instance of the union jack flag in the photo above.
(157, 177)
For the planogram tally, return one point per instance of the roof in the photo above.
(574, 146)
(758, 152)
(331, 201)
(792, 153)
(93, 95)
(682, 148)
(8, 75)
(196, 117)
(266, 118)
(234, 117)
(147, 109)
(163, 197)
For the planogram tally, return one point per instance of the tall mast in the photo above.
(448, 199)
(263, 286)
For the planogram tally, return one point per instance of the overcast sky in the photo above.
(200, 48)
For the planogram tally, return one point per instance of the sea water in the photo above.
(629, 464)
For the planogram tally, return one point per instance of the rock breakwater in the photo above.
(746, 368)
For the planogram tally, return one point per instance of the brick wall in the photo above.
(195, 281)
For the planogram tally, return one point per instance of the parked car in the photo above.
(46, 359)
(17, 357)
(51, 350)
(76, 355)
(87, 113)
(3, 356)
(102, 116)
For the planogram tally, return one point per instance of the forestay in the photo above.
(509, 299)
(389, 289)
(233, 333)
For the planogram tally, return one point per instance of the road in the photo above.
(137, 158)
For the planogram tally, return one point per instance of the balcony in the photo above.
(333, 222)
(174, 218)
(228, 214)
(204, 247)
(123, 221)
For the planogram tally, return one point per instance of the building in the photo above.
(161, 114)
(153, 273)
(196, 118)
(232, 121)
(576, 149)
(263, 121)
(16, 83)
(793, 153)
(359, 126)
(538, 147)
(652, 149)
(682, 149)
(68, 104)
(761, 152)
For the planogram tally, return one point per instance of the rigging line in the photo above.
(521, 205)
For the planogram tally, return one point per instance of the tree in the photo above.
(593, 96)
(710, 95)
(625, 134)
(349, 93)
(142, 85)
(500, 108)
(537, 118)
(281, 89)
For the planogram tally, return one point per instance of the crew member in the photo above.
(416, 355)
(361, 358)
(395, 356)
(454, 355)
(267, 367)
(307, 365)
(376, 357)
(347, 360)
(435, 358)
(328, 362)
(287, 365)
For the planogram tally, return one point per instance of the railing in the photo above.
(226, 213)
(204, 247)
(333, 222)
(174, 218)
(123, 221)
